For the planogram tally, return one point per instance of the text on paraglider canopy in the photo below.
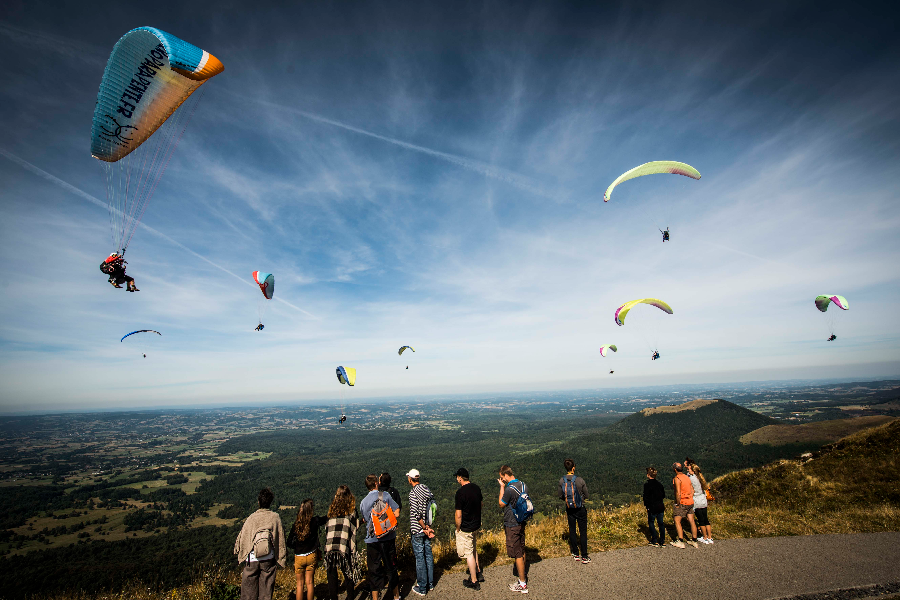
(146, 71)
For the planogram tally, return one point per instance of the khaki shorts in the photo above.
(683, 510)
(465, 544)
(306, 563)
(515, 541)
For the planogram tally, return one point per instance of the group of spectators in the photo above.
(262, 547)
(692, 498)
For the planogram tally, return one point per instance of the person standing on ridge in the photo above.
(261, 544)
(573, 491)
(469, 503)
(654, 494)
(420, 533)
(304, 541)
(701, 504)
(684, 507)
(340, 541)
(511, 489)
(381, 550)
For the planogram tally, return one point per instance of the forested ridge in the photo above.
(312, 463)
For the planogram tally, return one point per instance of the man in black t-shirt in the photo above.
(468, 521)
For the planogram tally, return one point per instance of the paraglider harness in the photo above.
(259, 327)
(655, 355)
(832, 338)
(665, 234)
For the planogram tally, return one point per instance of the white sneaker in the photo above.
(710, 541)
(518, 587)
(703, 540)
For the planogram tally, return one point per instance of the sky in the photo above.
(432, 174)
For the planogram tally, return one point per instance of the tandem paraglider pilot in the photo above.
(114, 266)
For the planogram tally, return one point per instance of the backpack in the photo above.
(430, 512)
(573, 496)
(383, 519)
(523, 509)
(106, 267)
(263, 543)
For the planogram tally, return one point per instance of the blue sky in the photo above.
(432, 175)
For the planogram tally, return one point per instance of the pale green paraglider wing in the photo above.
(653, 168)
(823, 301)
(604, 350)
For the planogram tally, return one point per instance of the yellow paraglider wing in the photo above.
(653, 168)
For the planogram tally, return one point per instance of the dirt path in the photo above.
(751, 569)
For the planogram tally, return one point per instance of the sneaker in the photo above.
(479, 576)
(710, 541)
(651, 543)
(677, 544)
(662, 545)
(468, 583)
(518, 587)
(576, 557)
(415, 590)
(585, 560)
(693, 543)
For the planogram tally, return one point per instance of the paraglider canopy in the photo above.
(137, 122)
(346, 375)
(604, 350)
(622, 311)
(139, 331)
(266, 283)
(402, 348)
(653, 168)
(824, 300)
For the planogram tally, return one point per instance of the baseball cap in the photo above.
(462, 472)
(413, 473)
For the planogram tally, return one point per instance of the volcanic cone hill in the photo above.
(698, 421)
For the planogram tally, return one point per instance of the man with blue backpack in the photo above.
(573, 490)
(517, 510)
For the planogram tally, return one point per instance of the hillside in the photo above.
(861, 470)
(818, 431)
(851, 486)
(698, 421)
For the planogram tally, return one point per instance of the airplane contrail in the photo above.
(93, 200)
(485, 169)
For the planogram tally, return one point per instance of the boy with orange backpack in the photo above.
(573, 491)
(379, 511)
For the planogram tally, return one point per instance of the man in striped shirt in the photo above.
(420, 498)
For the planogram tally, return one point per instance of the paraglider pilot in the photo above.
(114, 266)
(655, 355)
(259, 327)
(342, 419)
(832, 338)
(665, 234)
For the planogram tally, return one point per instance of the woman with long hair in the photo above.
(698, 482)
(340, 541)
(304, 541)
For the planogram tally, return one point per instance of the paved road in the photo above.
(745, 569)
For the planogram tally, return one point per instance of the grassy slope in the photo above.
(850, 486)
(819, 431)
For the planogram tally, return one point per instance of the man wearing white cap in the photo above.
(420, 499)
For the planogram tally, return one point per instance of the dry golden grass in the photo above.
(821, 431)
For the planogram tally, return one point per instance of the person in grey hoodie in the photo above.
(261, 545)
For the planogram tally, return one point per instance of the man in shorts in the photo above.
(684, 507)
(510, 490)
(469, 502)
